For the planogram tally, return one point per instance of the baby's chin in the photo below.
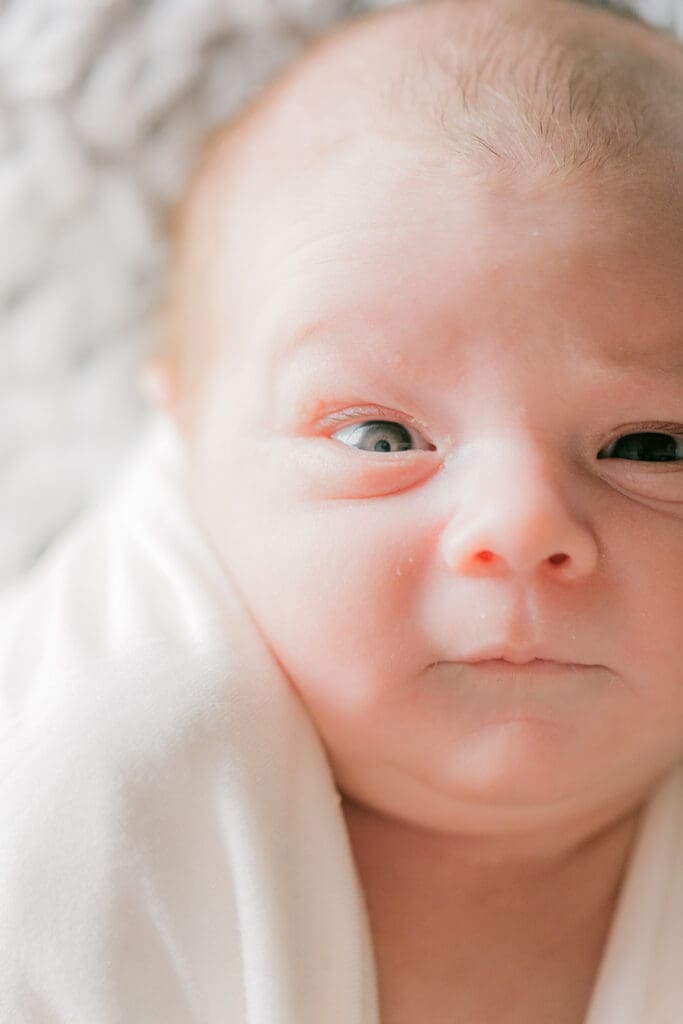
(508, 776)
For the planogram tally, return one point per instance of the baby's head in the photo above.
(428, 357)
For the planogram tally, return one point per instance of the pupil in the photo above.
(382, 446)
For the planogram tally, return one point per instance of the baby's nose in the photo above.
(512, 518)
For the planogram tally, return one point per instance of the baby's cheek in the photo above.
(353, 575)
(332, 568)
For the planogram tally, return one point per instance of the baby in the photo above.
(427, 355)
(424, 348)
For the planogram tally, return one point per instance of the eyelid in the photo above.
(369, 412)
(655, 427)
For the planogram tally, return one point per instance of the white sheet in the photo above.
(641, 977)
(172, 849)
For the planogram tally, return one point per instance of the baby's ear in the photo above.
(158, 383)
(157, 380)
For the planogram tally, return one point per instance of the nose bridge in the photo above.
(511, 514)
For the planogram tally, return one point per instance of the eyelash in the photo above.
(368, 412)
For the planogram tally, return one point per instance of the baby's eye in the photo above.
(645, 447)
(381, 436)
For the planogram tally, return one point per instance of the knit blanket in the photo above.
(104, 107)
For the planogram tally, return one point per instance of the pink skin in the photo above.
(518, 331)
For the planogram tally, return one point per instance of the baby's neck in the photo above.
(458, 935)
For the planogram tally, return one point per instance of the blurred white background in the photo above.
(103, 107)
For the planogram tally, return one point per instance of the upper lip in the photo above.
(517, 655)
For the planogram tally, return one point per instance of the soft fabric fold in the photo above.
(173, 848)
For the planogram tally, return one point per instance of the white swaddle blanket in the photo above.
(173, 849)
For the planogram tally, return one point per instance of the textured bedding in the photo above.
(103, 105)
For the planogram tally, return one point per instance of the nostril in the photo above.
(488, 556)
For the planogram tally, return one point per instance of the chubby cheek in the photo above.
(335, 586)
(647, 607)
(640, 621)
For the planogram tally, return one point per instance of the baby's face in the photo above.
(441, 457)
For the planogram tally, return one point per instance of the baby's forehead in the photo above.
(426, 285)
(416, 79)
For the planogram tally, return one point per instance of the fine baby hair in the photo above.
(524, 88)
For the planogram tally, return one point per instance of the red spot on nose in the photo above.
(485, 556)
(558, 559)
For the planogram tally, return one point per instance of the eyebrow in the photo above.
(311, 332)
(662, 357)
(305, 335)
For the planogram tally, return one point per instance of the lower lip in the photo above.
(502, 690)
